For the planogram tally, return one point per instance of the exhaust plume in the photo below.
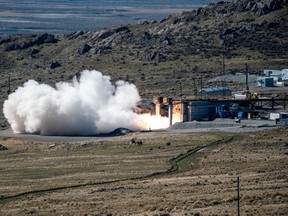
(86, 106)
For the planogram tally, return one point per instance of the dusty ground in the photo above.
(222, 125)
(113, 177)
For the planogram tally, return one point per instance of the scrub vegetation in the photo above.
(147, 174)
(158, 57)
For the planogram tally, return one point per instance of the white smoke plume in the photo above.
(86, 106)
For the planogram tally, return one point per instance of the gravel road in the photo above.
(224, 125)
(8, 134)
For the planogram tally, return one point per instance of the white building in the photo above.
(272, 73)
(285, 74)
(278, 75)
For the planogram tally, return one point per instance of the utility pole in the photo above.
(9, 88)
(201, 86)
(238, 196)
(181, 93)
(247, 81)
(195, 87)
(223, 58)
(223, 69)
(170, 111)
(224, 45)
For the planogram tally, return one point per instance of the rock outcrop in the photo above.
(259, 7)
(25, 42)
(84, 49)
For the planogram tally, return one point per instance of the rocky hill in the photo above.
(161, 58)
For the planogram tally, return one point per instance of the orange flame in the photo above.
(152, 122)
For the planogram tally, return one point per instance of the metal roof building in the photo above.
(214, 92)
(269, 72)
(278, 74)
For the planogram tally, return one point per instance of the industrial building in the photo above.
(182, 110)
(278, 75)
(265, 81)
(190, 110)
(217, 102)
(272, 73)
(215, 92)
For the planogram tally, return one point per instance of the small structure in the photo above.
(240, 96)
(285, 74)
(274, 116)
(283, 118)
(272, 73)
(278, 75)
(158, 101)
(265, 81)
(215, 92)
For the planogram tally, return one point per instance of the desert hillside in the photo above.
(159, 57)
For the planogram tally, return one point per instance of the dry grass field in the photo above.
(118, 177)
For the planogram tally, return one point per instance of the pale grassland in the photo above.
(205, 183)
(33, 166)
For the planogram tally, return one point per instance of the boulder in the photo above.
(75, 35)
(166, 41)
(145, 39)
(32, 51)
(122, 28)
(145, 22)
(273, 24)
(12, 46)
(101, 50)
(50, 39)
(105, 34)
(84, 49)
(132, 141)
(26, 44)
(154, 56)
(146, 36)
(29, 41)
(266, 6)
(6, 40)
(3, 148)
(44, 38)
(54, 64)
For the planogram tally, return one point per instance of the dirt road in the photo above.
(218, 125)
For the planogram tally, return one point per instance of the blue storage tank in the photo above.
(240, 115)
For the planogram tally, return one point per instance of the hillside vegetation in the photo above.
(160, 58)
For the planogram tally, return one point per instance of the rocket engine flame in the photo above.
(151, 122)
(86, 106)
